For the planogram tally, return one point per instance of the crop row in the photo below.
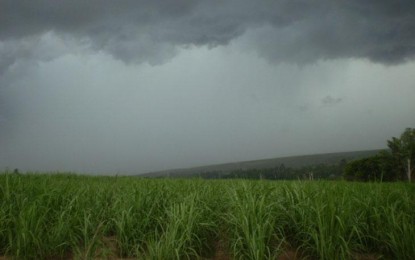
(69, 216)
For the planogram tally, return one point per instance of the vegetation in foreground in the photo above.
(69, 216)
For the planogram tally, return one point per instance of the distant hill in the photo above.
(292, 161)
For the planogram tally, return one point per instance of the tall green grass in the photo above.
(251, 219)
(69, 216)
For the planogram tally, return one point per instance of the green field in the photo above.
(69, 216)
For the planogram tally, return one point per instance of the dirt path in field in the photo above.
(289, 255)
(220, 251)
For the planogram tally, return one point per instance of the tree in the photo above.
(403, 152)
(408, 143)
(380, 167)
(366, 169)
(396, 152)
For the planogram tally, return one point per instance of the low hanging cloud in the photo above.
(295, 31)
(330, 101)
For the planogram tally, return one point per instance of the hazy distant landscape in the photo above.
(292, 162)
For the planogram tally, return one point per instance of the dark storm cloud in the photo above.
(330, 101)
(149, 31)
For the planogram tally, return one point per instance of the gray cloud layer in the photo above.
(78, 92)
(296, 31)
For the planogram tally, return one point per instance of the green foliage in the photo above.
(386, 165)
(366, 169)
(251, 221)
(403, 151)
(281, 172)
(69, 216)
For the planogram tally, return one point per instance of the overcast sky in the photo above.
(137, 86)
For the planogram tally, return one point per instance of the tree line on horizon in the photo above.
(282, 172)
(393, 164)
